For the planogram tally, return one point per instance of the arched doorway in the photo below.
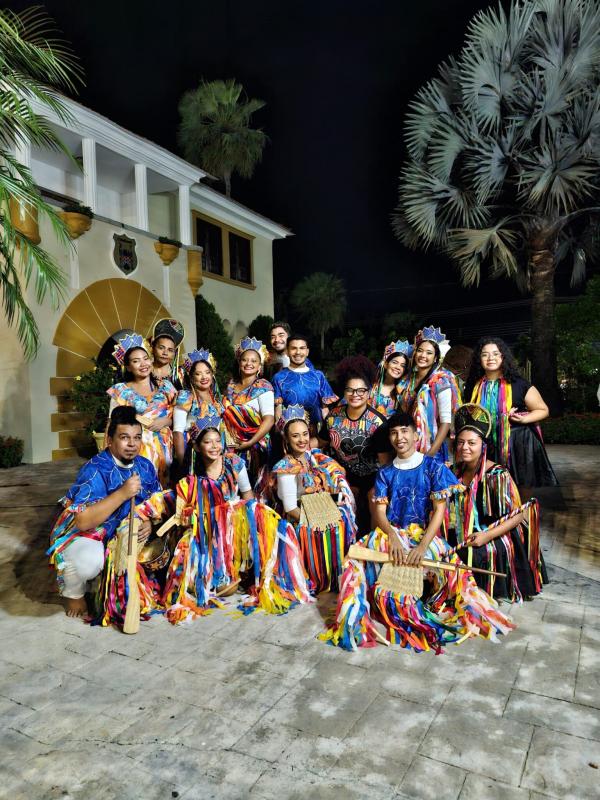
(88, 321)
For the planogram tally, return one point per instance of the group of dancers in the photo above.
(395, 495)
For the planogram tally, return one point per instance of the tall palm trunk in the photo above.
(542, 265)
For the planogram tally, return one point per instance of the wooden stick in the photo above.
(132, 612)
(366, 554)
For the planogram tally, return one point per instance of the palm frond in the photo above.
(471, 248)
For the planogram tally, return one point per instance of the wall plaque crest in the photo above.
(124, 254)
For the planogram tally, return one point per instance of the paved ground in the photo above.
(257, 708)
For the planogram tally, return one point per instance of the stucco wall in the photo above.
(26, 404)
(237, 305)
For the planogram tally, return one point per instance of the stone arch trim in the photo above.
(97, 312)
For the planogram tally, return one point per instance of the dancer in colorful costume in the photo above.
(392, 368)
(504, 533)
(302, 384)
(410, 498)
(96, 509)
(430, 393)
(201, 398)
(152, 401)
(304, 471)
(516, 408)
(166, 340)
(353, 432)
(249, 408)
(226, 539)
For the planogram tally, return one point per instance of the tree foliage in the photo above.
(503, 158)
(211, 334)
(320, 302)
(260, 328)
(215, 130)
(34, 66)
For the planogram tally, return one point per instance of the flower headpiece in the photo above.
(400, 348)
(250, 343)
(125, 343)
(170, 328)
(199, 355)
(291, 414)
(202, 424)
(434, 335)
(471, 416)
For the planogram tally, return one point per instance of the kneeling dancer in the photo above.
(227, 540)
(410, 498)
(97, 510)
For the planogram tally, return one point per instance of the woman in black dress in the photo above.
(516, 407)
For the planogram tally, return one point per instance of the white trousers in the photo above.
(83, 561)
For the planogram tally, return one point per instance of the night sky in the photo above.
(337, 77)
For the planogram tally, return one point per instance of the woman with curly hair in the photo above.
(516, 408)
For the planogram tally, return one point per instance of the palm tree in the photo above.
(33, 66)
(215, 130)
(504, 156)
(320, 301)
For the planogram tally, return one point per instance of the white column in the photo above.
(141, 196)
(73, 255)
(88, 150)
(166, 287)
(23, 153)
(185, 227)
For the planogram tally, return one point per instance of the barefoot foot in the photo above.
(75, 607)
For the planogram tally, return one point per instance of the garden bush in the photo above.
(572, 429)
(11, 451)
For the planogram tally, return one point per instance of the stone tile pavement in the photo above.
(258, 708)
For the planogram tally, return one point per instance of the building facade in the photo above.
(118, 275)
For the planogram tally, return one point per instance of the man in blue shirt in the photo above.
(98, 502)
(301, 384)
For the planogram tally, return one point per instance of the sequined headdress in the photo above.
(291, 414)
(202, 424)
(250, 343)
(472, 417)
(199, 355)
(400, 348)
(125, 343)
(171, 328)
(435, 335)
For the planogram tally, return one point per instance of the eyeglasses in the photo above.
(358, 392)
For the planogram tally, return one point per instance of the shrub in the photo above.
(89, 395)
(78, 208)
(572, 429)
(260, 328)
(11, 451)
(168, 240)
(211, 334)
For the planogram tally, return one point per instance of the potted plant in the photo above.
(78, 219)
(167, 249)
(11, 451)
(89, 397)
(24, 217)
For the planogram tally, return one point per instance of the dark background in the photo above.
(337, 77)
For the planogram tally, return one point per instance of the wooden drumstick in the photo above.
(132, 612)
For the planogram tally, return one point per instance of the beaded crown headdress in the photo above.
(291, 414)
(171, 328)
(250, 343)
(471, 416)
(125, 343)
(400, 348)
(199, 355)
(202, 424)
(432, 334)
